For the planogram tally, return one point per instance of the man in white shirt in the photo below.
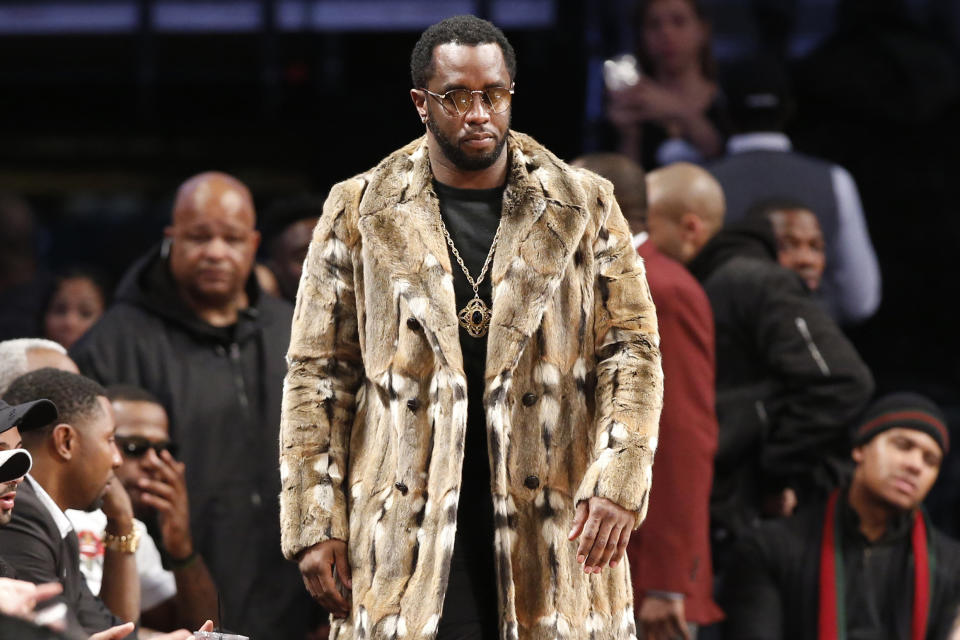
(181, 593)
(73, 461)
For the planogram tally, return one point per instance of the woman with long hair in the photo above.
(77, 301)
(674, 110)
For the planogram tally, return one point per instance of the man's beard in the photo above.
(456, 155)
(96, 505)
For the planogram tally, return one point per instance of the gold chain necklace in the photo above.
(475, 316)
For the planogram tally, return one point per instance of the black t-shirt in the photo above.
(472, 216)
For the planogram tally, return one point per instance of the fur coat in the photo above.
(374, 408)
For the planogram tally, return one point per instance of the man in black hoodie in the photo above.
(191, 325)
(788, 381)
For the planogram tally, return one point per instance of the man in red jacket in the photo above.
(670, 554)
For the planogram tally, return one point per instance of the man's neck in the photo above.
(45, 475)
(449, 174)
(875, 515)
(217, 315)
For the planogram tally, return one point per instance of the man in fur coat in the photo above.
(470, 413)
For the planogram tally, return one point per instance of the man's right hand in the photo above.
(124, 630)
(317, 565)
(167, 493)
(662, 619)
(117, 507)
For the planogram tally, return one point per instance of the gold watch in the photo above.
(123, 544)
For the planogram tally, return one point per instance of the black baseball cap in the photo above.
(15, 463)
(27, 416)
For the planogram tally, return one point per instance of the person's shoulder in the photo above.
(559, 179)
(350, 191)
(671, 277)
(763, 273)
(122, 324)
(275, 309)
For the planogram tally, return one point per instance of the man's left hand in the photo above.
(605, 527)
(167, 493)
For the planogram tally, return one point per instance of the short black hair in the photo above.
(130, 393)
(74, 395)
(466, 30)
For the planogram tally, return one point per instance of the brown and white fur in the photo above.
(375, 402)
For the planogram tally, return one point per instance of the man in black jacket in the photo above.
(788, 381)
(866, 564)
(191, 326)
(73, 461)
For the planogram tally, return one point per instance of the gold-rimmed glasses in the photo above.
(457, 102)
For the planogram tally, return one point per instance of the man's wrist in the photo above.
(180, 551)
(183, 562)
(125, 543)
(120, 526)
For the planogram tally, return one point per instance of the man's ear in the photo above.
(419, 98)
(692, 225)
(857, 454)
(64, 441)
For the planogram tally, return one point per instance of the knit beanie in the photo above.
(905, 410)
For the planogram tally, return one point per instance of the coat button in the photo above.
(529, 399)
(402, 488)
(531, 482)
(413, 404)
(413, 324)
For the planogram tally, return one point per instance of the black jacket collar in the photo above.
(740, 240)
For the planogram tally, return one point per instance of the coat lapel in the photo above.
(541, 230)
(398, 221)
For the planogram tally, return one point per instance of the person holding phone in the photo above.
(673, 109)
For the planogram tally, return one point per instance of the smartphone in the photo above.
(620, 72)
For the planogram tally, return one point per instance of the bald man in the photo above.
(788, 380)
(686, 209)
(191, 325)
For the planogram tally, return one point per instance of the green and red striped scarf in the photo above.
(832, 621)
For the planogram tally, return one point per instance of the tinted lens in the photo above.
(459, 100)
(136, 447)
(133, 447)
(498, 99)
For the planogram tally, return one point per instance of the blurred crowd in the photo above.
(779, 465)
